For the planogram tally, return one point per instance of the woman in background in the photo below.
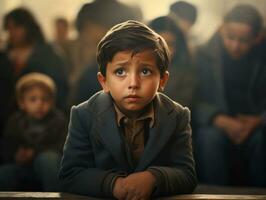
(28, 51)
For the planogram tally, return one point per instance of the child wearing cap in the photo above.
(34, 137)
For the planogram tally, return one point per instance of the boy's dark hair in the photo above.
(184, 10)
(245, 14)
(136, 37)
(34, 79)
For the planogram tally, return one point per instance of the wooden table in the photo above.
(66, 196)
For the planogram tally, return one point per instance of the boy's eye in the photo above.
(145, 72)
(120, 72)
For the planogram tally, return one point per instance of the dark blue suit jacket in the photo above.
(95, 150)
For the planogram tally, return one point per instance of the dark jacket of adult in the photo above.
(44, 60)
(211, 88)
(6, 88)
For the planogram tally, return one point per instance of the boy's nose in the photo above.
(134, 81)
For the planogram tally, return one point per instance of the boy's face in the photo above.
(133, 80)
(237, 38)
(36, 103)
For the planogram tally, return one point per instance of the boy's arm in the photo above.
(78, 172)
(180, 176)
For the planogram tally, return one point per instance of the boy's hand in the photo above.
(139, 186)
(24, 155)
(119, 191)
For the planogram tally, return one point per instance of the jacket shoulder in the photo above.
(96, 104)
(172, 105)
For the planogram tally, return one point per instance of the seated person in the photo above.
(232, 102)
(34, 137)
(129, 141)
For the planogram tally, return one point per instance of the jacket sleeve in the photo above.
(179, 177)
(78, 173)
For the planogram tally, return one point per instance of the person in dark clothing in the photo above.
(87, 85)
(34, 137)
(28, 51)
(182, 80)
(232, 102)
(129, 141)
(6, 88)
(184, 14)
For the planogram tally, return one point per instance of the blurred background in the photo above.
(209, 12)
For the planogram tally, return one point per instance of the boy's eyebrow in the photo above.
(123, 62)
(148, 63)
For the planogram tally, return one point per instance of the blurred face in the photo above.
(16, 34)
(92, 33)
(133, 80)
(61, 31)
(237, 39)
(171, 42)
(36, 103)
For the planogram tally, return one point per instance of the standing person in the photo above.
(184, 14)
(61, 40)
(34, 137)
(129, 141)
(61, 26)
(7, 90)
(28, 51)
(232, 101)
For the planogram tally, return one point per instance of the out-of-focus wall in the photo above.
(210, 12)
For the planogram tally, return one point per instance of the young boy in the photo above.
(34, 137)
(128, 141)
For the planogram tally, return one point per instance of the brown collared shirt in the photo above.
(134, 130)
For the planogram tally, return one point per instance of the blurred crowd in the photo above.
(222, 82)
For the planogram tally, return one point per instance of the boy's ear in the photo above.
(163, 80)
(102, 81)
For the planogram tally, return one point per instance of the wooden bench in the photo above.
(66, 196)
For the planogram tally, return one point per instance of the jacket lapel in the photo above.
(165, 124)
(107, 129)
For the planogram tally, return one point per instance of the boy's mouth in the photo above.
(132, 98)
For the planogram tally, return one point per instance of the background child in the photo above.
(128, 141)
(34, 137)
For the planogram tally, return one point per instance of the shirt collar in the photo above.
(149, 114)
